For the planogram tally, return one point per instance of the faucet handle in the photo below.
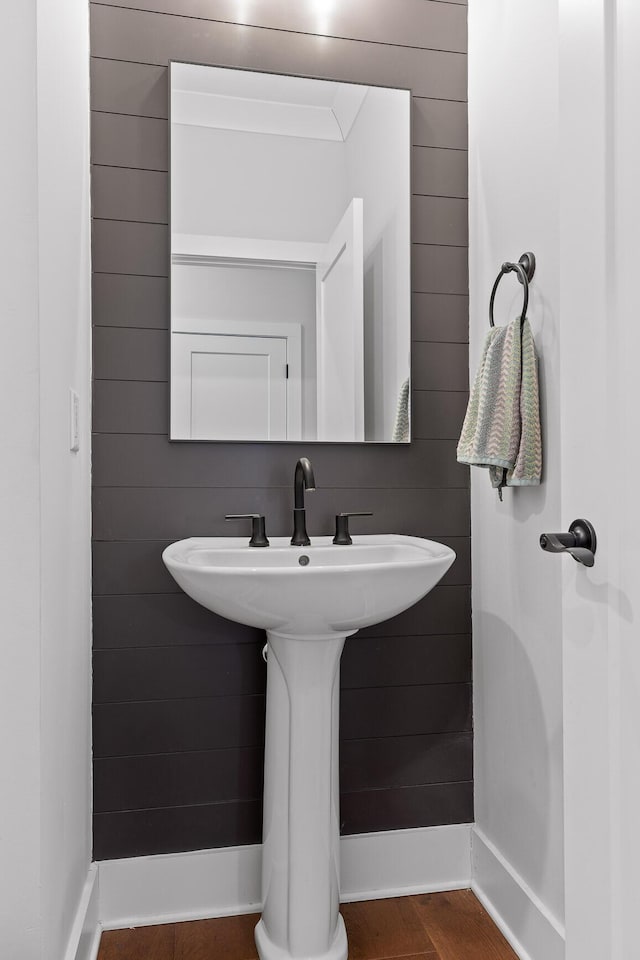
(342, 536)
(258, 533)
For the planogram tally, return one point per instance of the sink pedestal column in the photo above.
(300, 857)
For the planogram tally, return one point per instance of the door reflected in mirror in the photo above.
(290, 258)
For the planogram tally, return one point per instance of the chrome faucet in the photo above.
(303, 480)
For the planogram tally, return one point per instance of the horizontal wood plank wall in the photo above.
(179, 692)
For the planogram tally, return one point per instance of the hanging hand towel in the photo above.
(401, 426)
(501, 430)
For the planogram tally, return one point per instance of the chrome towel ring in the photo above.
(525, 269)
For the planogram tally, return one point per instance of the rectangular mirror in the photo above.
(290, 258)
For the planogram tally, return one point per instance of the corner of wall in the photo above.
(84, 939)
(531, 929)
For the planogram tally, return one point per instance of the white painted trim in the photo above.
(226, 881)
(399, 863)
(239, 328)
(529, 926)
(244, 248)
(167, 888)
(252, 115)
(340, 372)
(84, 939)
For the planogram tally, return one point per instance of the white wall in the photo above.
(257, 185)
(45, 576)
(19, 491)
(517, 589)
(65, 618)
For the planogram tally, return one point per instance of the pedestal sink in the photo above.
(309, 599)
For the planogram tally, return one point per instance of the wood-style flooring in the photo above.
(436, 926)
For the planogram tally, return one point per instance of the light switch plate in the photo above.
(74, 421)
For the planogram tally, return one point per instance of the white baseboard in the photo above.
(399, 863)
(84, 940)
(531, 929)
(226, 881)
(167, 888)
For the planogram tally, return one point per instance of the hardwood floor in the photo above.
(435, 926)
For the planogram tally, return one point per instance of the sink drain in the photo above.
(303, 560)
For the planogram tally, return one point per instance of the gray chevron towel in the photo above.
(401, 426)
(501, 430)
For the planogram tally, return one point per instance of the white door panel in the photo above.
(229, 387)
(340, 330)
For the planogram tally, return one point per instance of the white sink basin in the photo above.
(308, 599)
(339, 590)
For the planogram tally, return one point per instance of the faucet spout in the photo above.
(303, 480)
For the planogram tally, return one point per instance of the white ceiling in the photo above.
(263, 103)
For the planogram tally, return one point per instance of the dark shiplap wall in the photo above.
(179, 693)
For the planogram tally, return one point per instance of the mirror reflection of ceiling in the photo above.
(265, 103)
(290, 266)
